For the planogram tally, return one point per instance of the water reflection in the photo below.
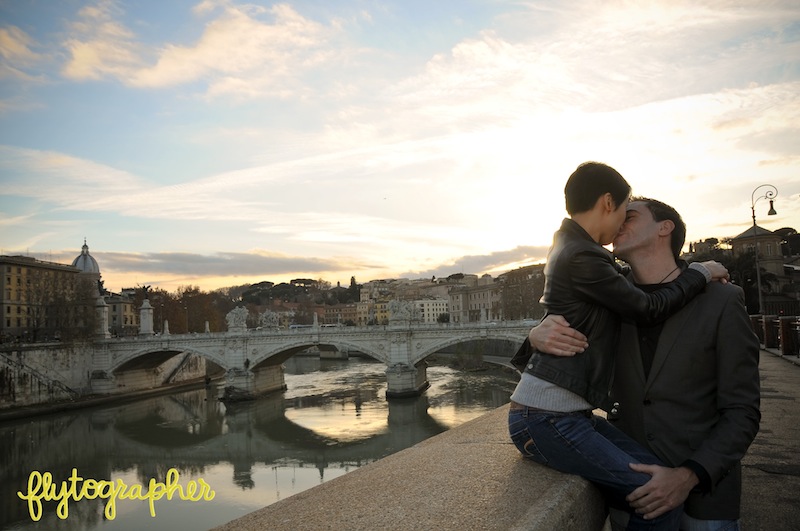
(333, 418)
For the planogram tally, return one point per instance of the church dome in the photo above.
(86, 262)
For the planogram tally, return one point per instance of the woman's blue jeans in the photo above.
(587, 445)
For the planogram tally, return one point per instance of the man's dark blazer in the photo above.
(701, 400)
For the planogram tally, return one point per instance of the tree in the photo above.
(80, 318)
(354, 291)
(304, 314)
(522, 289)
(742, 269)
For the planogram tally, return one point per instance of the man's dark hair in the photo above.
(661, 212)
(589, 182)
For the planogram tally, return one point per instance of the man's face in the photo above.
(613, 223)
(638, 233)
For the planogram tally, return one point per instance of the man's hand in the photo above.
(667, 489)
(718, 271)
(554, 336)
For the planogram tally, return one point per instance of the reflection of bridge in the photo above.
(252, 360)
(191, 432)
(257, 431)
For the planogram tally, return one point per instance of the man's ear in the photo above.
(666, 227)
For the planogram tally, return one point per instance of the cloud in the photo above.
(100, 46)
(10, 221)
(219, 264)
(62, 179)
(264, 264)
(16, 47)
(18, 56)
(245, 51)
(600, 60)
(492, 263)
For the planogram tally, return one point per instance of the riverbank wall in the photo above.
(55, 373)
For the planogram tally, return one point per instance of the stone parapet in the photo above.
(470, 477)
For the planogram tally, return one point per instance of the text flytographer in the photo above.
(42, 488)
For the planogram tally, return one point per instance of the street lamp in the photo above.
(770, 194)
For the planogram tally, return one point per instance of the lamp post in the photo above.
(770, 194)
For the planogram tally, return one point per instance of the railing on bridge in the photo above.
(778, 332)
(294, 330)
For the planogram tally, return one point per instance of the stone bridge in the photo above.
(252, 359)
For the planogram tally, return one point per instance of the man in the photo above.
(688, 388)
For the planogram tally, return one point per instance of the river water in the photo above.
(332, 419)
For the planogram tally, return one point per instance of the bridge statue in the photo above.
(268, 319)
(402, 312)
(237, 319)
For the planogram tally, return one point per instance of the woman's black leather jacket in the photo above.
(584, 283)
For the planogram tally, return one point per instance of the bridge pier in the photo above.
(405, 381)
(243, 384)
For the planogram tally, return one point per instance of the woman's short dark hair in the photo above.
(589, 182)
(662, 212)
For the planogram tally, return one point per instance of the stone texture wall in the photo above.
(43, 374)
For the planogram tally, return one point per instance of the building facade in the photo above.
(778, 287)
(429, 310)
(38, 298)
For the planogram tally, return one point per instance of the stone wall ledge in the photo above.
(470, 477)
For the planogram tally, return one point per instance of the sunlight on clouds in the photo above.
(333, 227)
(241, 48)
(15, 47)
(409, 245)
(11, 221)
(23, 246)
(237, 53)
(708, 176)
(100, 46)
(61, 178)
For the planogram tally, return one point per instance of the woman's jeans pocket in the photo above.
(521, 437)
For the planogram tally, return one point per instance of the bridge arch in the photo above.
(152, 357)
(435, 346)
(289, 349)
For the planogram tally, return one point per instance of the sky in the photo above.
(217, 143)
